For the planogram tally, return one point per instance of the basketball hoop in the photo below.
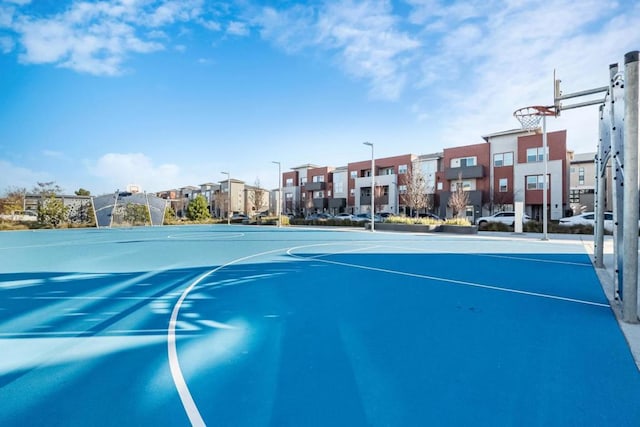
(529, 117)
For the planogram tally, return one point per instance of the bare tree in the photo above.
(220, 201)
(13, 200)
(416, 196)
(256, 196)
(47, 189)
(459, 199)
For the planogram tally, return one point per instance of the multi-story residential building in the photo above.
(466, 166)
(582, 184)
(294, 189)
(230, 197)
(509, 167)
(256, 200)
(318, 189)
(389, 180)
(338, 198)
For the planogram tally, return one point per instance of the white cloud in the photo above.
(488, 67)
(237, 28)
(363, 35)
(117, 170)
(20, 177)
(97, 38)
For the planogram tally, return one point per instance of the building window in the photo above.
(439, 186)
(574, 196)
(467, 161)
(339, 187)
(502, 159)
(365, 192)
(386, 171)
(353, 174)
(580, 176)
(328, 193)
(385, 190)
(318, 178)
(503, 185)
(303, 180)
(289, 182)
(352, 192)
(536, 154)
(535, 182)
(402, 169)
(467, 185)
(288, 196)
(318, 194)
(462, 162)
(402, 189)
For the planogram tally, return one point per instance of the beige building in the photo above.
(582, 182)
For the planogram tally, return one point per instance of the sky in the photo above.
(169, 93)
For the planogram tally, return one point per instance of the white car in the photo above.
(344, 216)
(588, 218)
(505, 217)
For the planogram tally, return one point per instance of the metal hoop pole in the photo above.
(630, 208)
(546, 178)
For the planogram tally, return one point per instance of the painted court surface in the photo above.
(246, 326)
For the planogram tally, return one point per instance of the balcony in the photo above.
(465, 172)
(315, 186)
(380, 200)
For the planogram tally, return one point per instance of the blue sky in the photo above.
(169, 93)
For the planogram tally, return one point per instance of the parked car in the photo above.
(587, 218)
(505, 217)
(320, 216)
(429, 215)
(344, 216)
(363, 217)
(238, 217)
(21, 216)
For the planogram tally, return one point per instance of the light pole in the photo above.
(279, 208)
(373, 185)
(228, 196)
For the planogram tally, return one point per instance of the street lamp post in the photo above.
(228, 196)
(373, 185)
(279, 207)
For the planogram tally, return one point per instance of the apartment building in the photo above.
(294, 189)
(508, 167)
(582, 184)
(467, 166)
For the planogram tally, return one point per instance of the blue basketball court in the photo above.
(247, 326)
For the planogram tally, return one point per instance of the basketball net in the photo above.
(529, 117)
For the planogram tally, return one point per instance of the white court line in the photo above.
(345, 252)
(174, 365)
(203, 234)
(496, 255)
(457, 282)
